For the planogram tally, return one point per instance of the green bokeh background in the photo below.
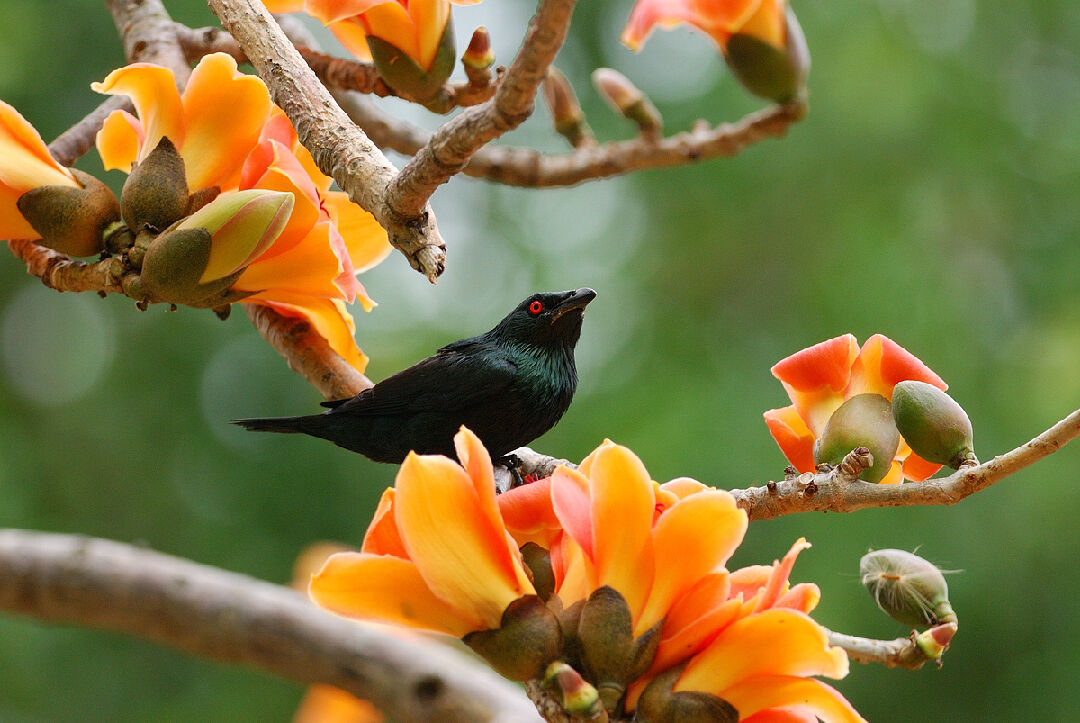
(930, 195)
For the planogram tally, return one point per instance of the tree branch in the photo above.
(232, 618)
(149, 35)
(452, 145)
(340, 149)
(896, 653)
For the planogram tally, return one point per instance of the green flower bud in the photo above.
(172, 266)
(778, 74)
(527, 639)
(155, 195)
(659, 704)
(402, 73)
(907, 588)
(627, 100)
(479, 55)
(932, 423)
(242, 225)
(71, 220)
(578, 697)
(865, 420)
(934, 641)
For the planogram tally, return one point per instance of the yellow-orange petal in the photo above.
(327, 704)
(575, 575)
(12, 223)
(794, 437)
(803, 597)
(774, 642)
(329, 11)
(284, 6)
(767, 23)
(329, 317)
(351, 34)
(308, 268)
(801, 694)
(882, 364)
(570, 502)
(779, 715)
(382, 536)
(119, 140)
(25, 161)
(894, 476)
(816, 377)
(585, 467)
(621, 512)
(385, 588)
(224, 113)
(715, 18)
(152, 90)
(365, 239)
(691, 539)
(429, 23)
(457, 549)
(918, 469)
(777, 584)
(528, 514)
(391, 22)
(683, 487)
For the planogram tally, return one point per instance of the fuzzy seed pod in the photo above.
(907, 588)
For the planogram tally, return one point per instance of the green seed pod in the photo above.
(778, 74)
(578, 697)
(932, 423)
(71, 220)
(865, 420)
(155, 195)
(907, 588)
(527, 640)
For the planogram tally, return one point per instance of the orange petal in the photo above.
(529, 515)
(308, 268)
(712, 18)
(748, 581)
(384, 588)
(284, 6)
(329, 11)
(329, 318)
(794, 437)
(12, 223)
(777, 715)
(364, 237)
(152, 90)
(286, 174)
(382, 536)
(883, 363)
(25, 162)
(352, 35)
(894, 476)
(800, 694)
(918, 469)
(767, 23)
(224, 111)
(429, 18)
(586, 464)
(327, 704)
(815, 378)
(803, 597)
(683, 487)
(690, 540)
(119, 140)
(774, 642)
(622, 511)
(575, 575)
(570, 501)
(777, 583)
(456, 547)
(390, 21)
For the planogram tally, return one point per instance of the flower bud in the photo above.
(527, 639)
(578, 697)
(155, 195)
(538, 562)
(479, 55)
(611, 655)
(659, 704)
(776, 73)
(865, 420)
(71, 220)
(907, 588)
(402, 73)
(932, 423)
(934, 641)
(627, 100)
(566, 113)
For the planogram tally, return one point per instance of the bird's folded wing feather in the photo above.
(448, 381)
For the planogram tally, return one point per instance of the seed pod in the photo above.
(907, 588)
(865, 420)
(932, 423)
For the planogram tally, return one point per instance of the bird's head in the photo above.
(546, 318)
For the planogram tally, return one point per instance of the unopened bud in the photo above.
(71, 220)
(907, 588)
(479, 55)
(932, 423)
(627, 100)
(403, 73)
(155, 194)
(538, 562)
(776, 73)
(578, 697)
(242, 225)
(566, 114)
(660, 704)
(527, 639)
(934, 641)
(865, 420)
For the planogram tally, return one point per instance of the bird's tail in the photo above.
(286, 425)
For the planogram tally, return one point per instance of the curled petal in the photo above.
(570, 503)
(119, 140)
(365, 239)
(794, 437)
(883, 363)
(918, 469)
(799, 694)
(350, 33)
(329, 317)
(152, 90)
(25, 161)
(803, 597)
(777, 584)
(382, 536)
(389, 589)
(529, 515)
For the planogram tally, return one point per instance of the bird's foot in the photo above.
(513, 465)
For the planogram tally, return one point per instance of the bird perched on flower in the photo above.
(509, 385)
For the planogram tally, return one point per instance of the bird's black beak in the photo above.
(575, 300)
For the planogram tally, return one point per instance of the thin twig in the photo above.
(897, 653)
(516, 166)
(233, 618)
(453, 144)
(340, 149)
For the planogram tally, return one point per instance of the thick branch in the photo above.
(453, 144)
(148, 35)
(232, 618)
(307, 353)
(340, 149)
(526, 167)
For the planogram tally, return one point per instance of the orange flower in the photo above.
(437, 556)
(719, 19)
(25, 163)
(822, 377)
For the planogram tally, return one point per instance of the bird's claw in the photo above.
(513, 465)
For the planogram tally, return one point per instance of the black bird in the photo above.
(508, 386)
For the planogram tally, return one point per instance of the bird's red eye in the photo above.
(535, 308)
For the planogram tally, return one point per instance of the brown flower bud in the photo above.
(71, 220)
(527, 639)
(627, 100)
(155, 195)
(479, 54)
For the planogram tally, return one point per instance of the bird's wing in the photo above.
(448, 381)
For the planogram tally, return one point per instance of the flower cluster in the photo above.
(221, 203)
(599, 568)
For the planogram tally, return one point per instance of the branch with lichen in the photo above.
(233, 618)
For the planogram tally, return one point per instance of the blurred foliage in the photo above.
(929, 195)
